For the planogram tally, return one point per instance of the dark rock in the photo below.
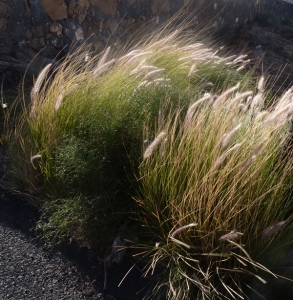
(136, 10)
(16, 29)
(124, 10)
(71, 24)
(55, 9)
(17, 10)
(147, 10)
(6, 43)
(68, 33)
(175, 6)
(37, 44)
(85, 25)
(66, 44)
(96, 14)
(38, 15)
(3, 23)
(3, 9)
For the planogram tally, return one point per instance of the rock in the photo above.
(38, 15)
(6, 43)
(147, 10)
(112, 25)
(79, 8)
(37, 44)
(18, 10)
(160, 6)
(28, 35)
(108, 7)
(68, 33)
(55, 9)
(175, 6)
(131, 2)
(79, 34)
(70, 24)
(56, 28)
(136, 10)
(3, 9)
(57, 42)
(96, 14)
(123, 10)
(3, 23)
(16, 30)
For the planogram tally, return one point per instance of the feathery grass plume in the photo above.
(222, 158)
(229, 136)
(272, 230)
(192, 108)
(257, 102)
(163, 147)
(235, 101)
(33, 158)
(224, 96)
(261, 84)
(32, 95)
(38, 84)
(104, 57)
(178, 230)
(151, 148)
(253, 157)
(192, 70)
(58, 101)
(101, 67)
(205, 85)
(154, 72)
(131, 59)
(231, 236)
(261, 115)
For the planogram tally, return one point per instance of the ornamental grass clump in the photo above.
(217, 201)
(77, 145)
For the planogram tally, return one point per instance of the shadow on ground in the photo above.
(18, 217)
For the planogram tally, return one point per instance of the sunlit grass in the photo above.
(184, 131)
(215, 194)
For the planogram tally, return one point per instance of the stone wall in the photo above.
(53, 25)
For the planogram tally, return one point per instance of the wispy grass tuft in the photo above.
(223, 170)
(211, 181)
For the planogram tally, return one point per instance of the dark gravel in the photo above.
(29, 271)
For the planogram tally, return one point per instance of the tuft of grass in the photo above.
(216, 201)
(80, 137)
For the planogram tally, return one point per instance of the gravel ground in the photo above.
(28, 271)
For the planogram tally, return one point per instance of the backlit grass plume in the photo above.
(218, 201)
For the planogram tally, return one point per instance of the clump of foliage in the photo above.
(211, 190)
(215, 191)
(77, 145)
